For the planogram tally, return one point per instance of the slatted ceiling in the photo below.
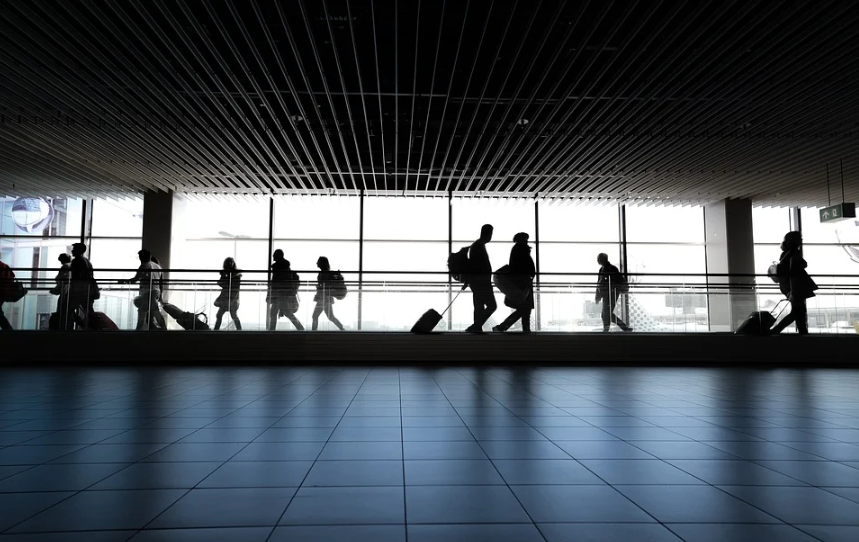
(681, 102)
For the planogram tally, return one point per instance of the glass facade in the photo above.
(392, 251)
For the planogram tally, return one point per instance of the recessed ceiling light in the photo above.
(297, 118)
(522, 122)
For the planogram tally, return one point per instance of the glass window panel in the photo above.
(41, 217)
(657, 259)
(770, 224)
(824, 261)
(395, 305)
(117, 218)
(405, 218)
(569, 258)
(219, 218)
(571, 222)
(106, 254)
(405, 256)
(302, 255)
(34, 252)
(665, 224)
(508, 217)
(813, 231)
(317, 217)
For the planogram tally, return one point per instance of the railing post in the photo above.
(624, 265)
(268, 259)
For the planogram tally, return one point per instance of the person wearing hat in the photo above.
(151, 278)
(522, 271)
(282, 292)
(83, 290)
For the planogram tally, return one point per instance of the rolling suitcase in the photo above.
(760, 322)
(427, 322)
(100, 322)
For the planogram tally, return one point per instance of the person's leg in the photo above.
(786, 321)
(141, 320)
(509, 321)
(478, 308)
(614, 318)
(295, 321)
(273, 312)
(219, 317)
(234, 314)
(5, 325)
(316, 312)
(606, 314)
(329, 312)
(526, 320)
(490, 304)
(801, 311)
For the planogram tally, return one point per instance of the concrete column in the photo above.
(158, 225)
(730, 250)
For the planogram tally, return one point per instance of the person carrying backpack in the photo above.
(325, 286)
(282, 292)
(794, 283)
(228, 300)
(610, 284)
(479, 279)
(522, 272)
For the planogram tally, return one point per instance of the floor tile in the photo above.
(463, 504)
(723, 532)
(603, 449)
(578, 504)
(196, 451)
(247, 507)
(111, 453)
(694, 504)
(217, 435)
(452, 472)
(355, 473)
(9, 438)
(816, 473)
(645, 433)
(795, 505)
(334, 451)
(370, 421)
(832, 533)
(682, 450)
(35, 455)
(84, 536)
(714, 434)
(639, 471)
(545, 472)
(216, 534)
(102, 510)
(8, 470)
(734, 472)
(346, 506)
(851, 493)
(59, 477)
(443, 450)
(239, 474)
(506, 433)
(606, 532)
(432, 421)
(523, 449)
(280, 451)
(834, 451)
(576, 433)
(90, 436)
(21, 506)
(339, 533)
(763, 451)
(295, 434)
(555, 421)
(475, 533)
(184, 475)
(434, 434)
(305, 421)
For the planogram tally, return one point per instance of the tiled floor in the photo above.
(387, 455)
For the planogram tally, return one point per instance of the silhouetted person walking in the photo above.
(480, 280)
(228, 300)
(61, 290)
(7, 280)
(282, 292)
(522, 272)
(151, 279)
(83, 291)
(324, 298)
(794, 283)
(608, 290)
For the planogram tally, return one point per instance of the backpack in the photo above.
(457, 264)
(337, 286)
(622, 285)
(293, 284)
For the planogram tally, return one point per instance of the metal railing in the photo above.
(393, 300)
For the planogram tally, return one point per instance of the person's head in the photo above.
(78, 249)
(602, 258)
(792, 240)
(229, 264)
(144, 255)
(486, 233)
(64, 258)
(521, 238)
(322, 263)
(277, 255)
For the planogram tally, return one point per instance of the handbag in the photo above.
(16, 292)
(772, 272)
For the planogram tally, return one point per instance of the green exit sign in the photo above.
(838, 212)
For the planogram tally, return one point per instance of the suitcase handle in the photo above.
(451, 303)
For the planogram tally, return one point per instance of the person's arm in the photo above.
(138, 276)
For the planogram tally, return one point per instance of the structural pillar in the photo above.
(158, 225)
(730, 251)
